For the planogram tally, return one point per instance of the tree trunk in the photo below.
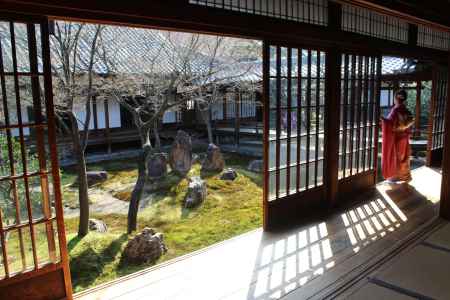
(83, 197)
(210, 134)
(136, 195)
(138, 189)
(157, 138)
(207, 120)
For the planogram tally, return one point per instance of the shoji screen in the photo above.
(34, 262)
(436, 120)
(294, 132)
(359, 114)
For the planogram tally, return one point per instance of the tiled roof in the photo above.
(130, 51)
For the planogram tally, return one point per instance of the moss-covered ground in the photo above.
(231, 208)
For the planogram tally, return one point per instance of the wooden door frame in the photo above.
(435, 154)
(51, 278)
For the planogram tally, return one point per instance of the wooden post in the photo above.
(412, 35)
(418, 108)
(332, 112)
(237, 118)
(434, 83)
(107, 131)
(444, 211)
(94, 113)
(224, 106)
(396, 87)
(266, 126)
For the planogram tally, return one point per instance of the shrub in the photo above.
(7, 187)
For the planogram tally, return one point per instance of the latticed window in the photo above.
(307, 11)
(28, 185)
(364, 21)
(431, 38)
(296, 120)
(359, 102)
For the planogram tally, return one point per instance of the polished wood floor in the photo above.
(307, 262)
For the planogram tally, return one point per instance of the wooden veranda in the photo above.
(321, 62)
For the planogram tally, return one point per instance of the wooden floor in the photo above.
(308, 262)
(419, 271)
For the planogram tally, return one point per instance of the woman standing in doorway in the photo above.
(395, 148)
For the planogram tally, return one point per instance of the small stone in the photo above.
(97, 225)
(256, 166)
(214, 159)
(196, 193)
(180, 158)
(145, 247)
(229, 174)
(157, 166)
(94, 177)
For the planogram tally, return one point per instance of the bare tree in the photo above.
(74, 83)
(186, 67)
(224, 70)
(147, 97)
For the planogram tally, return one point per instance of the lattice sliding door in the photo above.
(294, 128)
(359, 114)
(436, 121)
(33, 259)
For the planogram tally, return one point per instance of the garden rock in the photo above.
(145, 247)
(94, 177)
(229, 174)
(97, 225)
(157, 166)
(196, 193)
(256, 166)
(214, 159)
(181, 153)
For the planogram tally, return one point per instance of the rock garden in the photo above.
(194, 197)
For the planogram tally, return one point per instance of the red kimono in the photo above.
(395, 148)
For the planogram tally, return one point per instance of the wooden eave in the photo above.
(180, 15)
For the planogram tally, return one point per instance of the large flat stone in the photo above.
(423, 270)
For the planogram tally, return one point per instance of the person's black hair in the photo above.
(403, 94)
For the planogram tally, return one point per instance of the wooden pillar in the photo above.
(418, 108)
(224, 106)
(94, 113)
(332, 112)
(444, 211)
(237, 118)
(266, 127)
(107, 131)
(396, 87)
(433, 100)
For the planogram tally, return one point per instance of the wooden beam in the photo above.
(444, 211)
(422, 76)
(180, 15)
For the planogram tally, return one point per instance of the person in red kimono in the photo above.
(395, 148)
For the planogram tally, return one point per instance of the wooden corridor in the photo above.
(419, 271)
(301, 263)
